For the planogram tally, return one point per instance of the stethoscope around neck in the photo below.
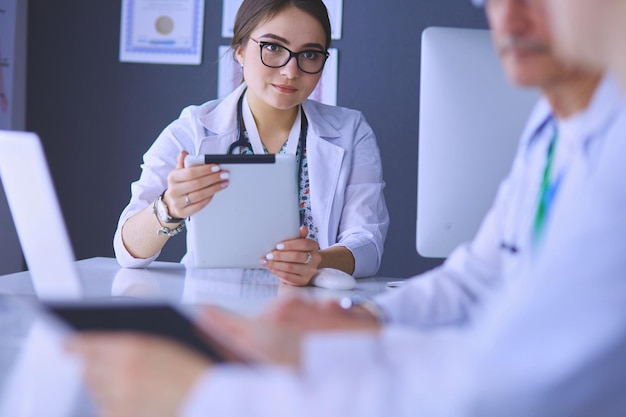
(243, 141)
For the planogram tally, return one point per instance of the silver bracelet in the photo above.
(371, 307)
(171, 232)
(164, 230)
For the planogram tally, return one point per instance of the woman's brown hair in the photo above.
(251, 13)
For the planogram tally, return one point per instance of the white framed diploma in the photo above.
(162, 31)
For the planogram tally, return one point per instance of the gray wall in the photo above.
(97, 116)
(11, 259)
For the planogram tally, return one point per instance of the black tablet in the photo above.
(159, 319)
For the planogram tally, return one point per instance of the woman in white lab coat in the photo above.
(341, 186)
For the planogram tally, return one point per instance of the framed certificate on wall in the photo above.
(162, 31)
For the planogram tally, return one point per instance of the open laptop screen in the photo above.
(37, 216)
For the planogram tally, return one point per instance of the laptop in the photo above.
(37, 216)
(46, 246)
(470, 122)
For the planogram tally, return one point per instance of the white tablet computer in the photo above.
(246, 220)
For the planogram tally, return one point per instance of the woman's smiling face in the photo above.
(285, 87)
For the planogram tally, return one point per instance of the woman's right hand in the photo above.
(190, 189)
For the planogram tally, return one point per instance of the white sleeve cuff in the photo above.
(124, 258)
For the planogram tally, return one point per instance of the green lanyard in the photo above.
(546, 193)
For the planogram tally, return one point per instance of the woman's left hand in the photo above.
(295, 261)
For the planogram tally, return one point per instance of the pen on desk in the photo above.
(396, 284)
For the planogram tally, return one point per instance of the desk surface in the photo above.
(33, 364)
(243, 290)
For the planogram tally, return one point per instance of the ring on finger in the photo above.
(308, 257)
(187, 200)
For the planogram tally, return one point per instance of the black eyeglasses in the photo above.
(277, 56)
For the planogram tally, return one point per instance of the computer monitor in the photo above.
(470, 119)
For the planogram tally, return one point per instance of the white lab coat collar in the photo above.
(227, 124)
(321, 126)
(540, 116)
(602, 110)
(593, 121)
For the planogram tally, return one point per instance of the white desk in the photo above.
(38, 379)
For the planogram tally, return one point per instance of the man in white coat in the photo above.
(526, 320)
